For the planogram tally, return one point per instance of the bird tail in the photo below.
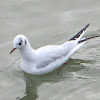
(80, 34)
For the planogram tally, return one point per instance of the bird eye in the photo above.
(20, 44)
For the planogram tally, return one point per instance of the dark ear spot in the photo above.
(25, 42)
(20, 40)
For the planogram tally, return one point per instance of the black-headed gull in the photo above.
(47, 58)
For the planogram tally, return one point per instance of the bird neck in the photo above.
(27, 52)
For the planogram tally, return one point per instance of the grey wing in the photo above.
(51, 53)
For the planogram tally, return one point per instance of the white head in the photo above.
(20, 41)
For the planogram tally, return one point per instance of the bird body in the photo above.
(46, 58)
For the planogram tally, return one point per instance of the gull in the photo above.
(47, 58)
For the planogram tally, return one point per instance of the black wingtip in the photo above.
(86, 26)
(83, 40)
(79, 33)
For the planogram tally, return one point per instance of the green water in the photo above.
(50, 22)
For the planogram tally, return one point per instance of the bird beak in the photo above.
(12, 50)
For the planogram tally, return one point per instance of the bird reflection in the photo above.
(33, 82)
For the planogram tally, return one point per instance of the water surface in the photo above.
(50, 22)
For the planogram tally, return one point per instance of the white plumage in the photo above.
(46, 58)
